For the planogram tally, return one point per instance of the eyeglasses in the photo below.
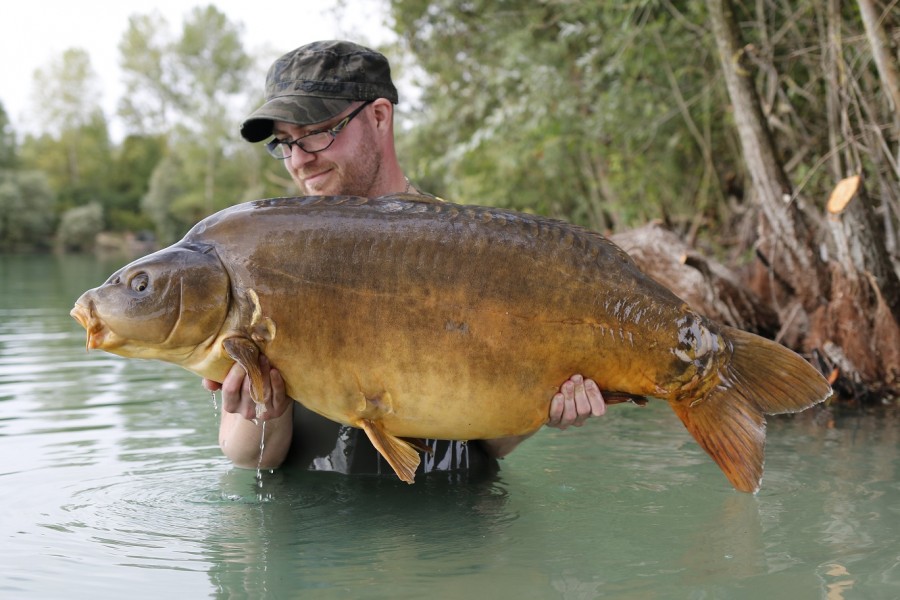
(316, 141)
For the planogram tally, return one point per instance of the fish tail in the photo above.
(761, 378)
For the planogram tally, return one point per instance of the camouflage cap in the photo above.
(318, 81)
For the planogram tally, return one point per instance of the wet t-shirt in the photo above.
(319, 444)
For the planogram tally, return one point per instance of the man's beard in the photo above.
(359, 175)
(363, 173)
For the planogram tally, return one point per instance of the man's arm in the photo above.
(239, 429)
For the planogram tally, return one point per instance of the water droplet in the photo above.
(260, 409)
(262, 447)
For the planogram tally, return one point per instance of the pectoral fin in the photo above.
(402, 457)
(245, 353)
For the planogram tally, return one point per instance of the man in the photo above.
(329, 113)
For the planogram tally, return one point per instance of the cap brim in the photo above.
(297, 110)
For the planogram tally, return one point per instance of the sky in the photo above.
(34, 33)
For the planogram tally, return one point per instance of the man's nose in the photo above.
(299, 157)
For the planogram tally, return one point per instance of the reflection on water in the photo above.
(330, 532)
(111, 485)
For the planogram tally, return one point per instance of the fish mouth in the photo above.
(96, 330)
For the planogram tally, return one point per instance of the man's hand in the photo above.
(577, 400)
(240, 429)
(236, 392)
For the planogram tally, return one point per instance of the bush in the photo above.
(79, 227)
(27, 209)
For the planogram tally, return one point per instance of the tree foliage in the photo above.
(192, 83)
(77, 160)
(185, 93)
(166, 183)
(612, 114)
(27, 211)
(7, 141)
(562, 107)
(145, 105)
(79, 227)
(66, 93)
(132, 166)
(73, 148)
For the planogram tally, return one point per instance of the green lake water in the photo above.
(112, 486)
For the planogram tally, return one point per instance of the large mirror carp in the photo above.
(412, 318)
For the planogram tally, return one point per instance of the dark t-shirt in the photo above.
(319, 444)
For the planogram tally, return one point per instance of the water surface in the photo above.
(112, 486)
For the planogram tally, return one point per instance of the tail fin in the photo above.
(762, 378)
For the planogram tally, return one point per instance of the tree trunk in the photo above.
(786, 241)
(851, 300)
(858, 329)
(881, 53)
(858, 240)
(707, 286)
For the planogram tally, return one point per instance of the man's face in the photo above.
(350, 166)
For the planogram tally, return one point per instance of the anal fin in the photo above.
(402, 456)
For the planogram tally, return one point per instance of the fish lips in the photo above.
(99, 335)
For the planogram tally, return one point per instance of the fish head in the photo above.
(162, 306)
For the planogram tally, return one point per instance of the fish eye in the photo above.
(140, 282)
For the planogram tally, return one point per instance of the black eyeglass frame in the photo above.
(281, 150)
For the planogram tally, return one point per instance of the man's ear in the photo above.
(383, 114)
